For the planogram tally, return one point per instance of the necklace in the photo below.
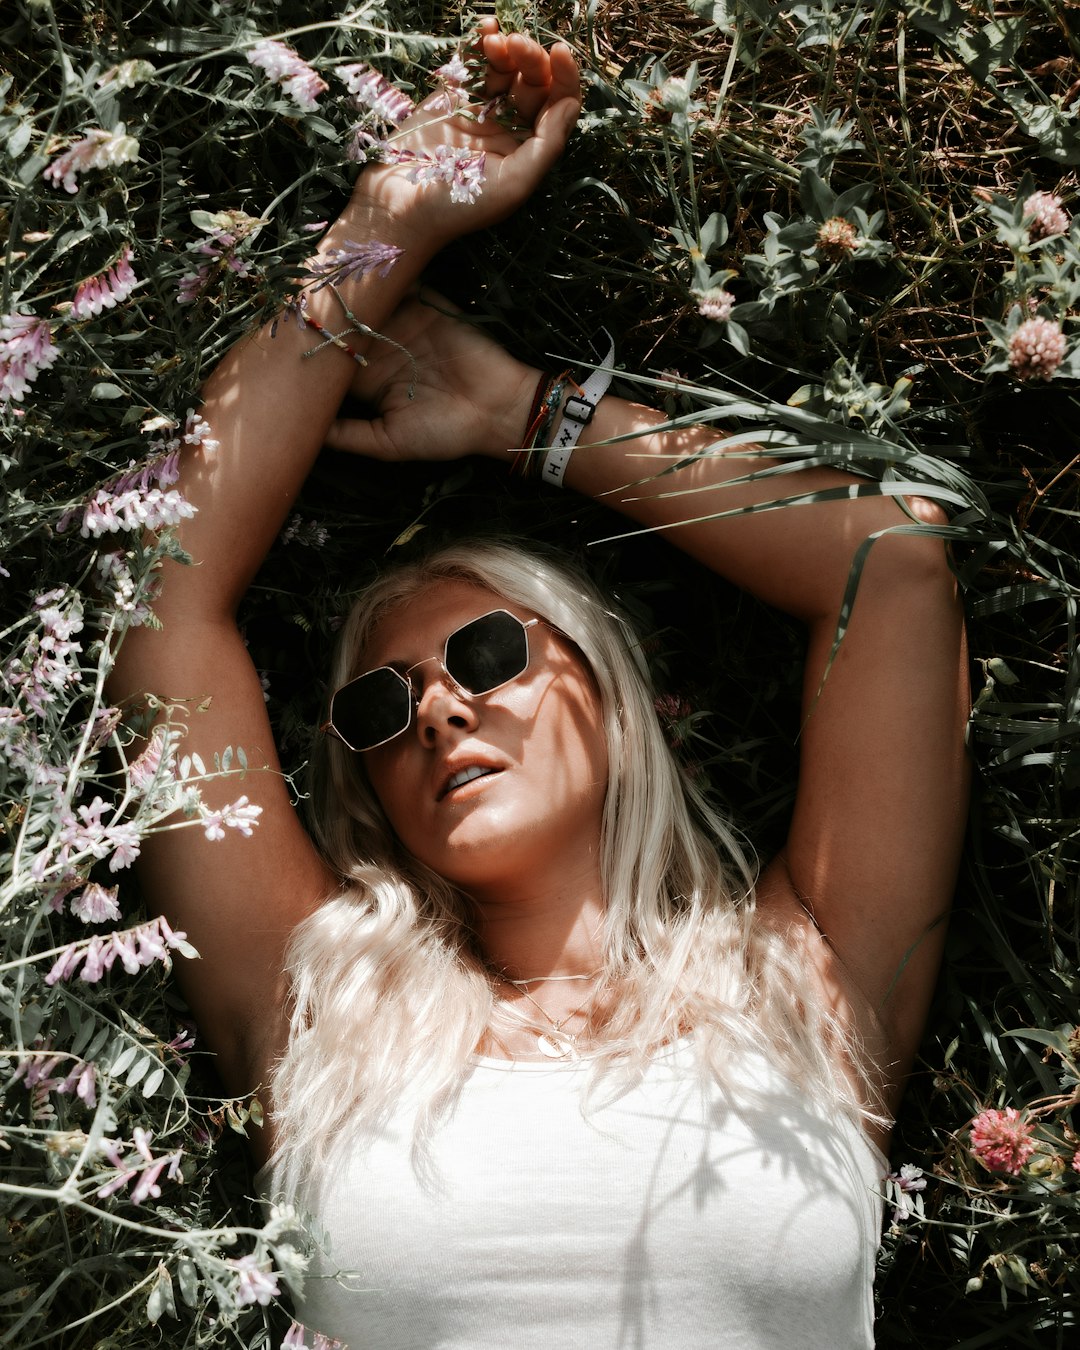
(556, 1043)
(548, 979)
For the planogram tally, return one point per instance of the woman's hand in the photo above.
(543, 92)
(469, 396)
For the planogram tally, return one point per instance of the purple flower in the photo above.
(105, 290)
(97, 150)
(373, 91)
(354, 260)
(26, 349)
(1044, 212)
(909, 1181)
(136, 947)
(1036, 349)
(296, 77)
(241, 815)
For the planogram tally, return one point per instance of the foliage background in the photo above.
(923, 125)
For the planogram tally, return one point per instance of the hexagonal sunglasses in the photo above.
(478, 658)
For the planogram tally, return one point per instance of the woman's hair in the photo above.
(391, 995)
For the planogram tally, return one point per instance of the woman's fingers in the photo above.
(521, 69)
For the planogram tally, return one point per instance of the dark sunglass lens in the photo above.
(371, 709)
(487, 652)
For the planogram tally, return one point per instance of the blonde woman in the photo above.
(547, 1064)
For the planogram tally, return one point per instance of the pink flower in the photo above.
(373, 91)
(241, 815)
(197, 433)
(462, 170)
(455, 71)
(97, 150)
(1036, 349)
(1045, 215)
(296, 77)
(716, 304)
(106, 290)
(255, 1284)
(1076, 1161)
(354, 260)
(1002, 1140)
(26, 349)
(837, 239)
(96, 904)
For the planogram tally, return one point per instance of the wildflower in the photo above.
(716, 303)
(1002, 1140)
(1036, 349)
(126, 75)
(255, 1284)
(296, 77)
(137, 499)
(1045, 215)
(373, 91)
(96, 904)
(26, 349)
(1076, 1161)
(674, 95)
(49, 665)
(295, 1339)
(197, 433)
(308, 532)
(105, 290)
(904, 1184)
(147, 770)
(463, 170)
(354, 260)
(97, 150)
(144, 944)
(241, 815)
(449, 96)
(837, 239)
(455, 71)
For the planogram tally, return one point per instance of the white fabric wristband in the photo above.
(577, 412)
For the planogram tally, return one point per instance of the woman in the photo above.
(542, 1070)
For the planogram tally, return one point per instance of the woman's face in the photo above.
(538, 740)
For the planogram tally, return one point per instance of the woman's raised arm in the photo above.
(268, 408)
(882, 794)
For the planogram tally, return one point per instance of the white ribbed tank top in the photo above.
(681, 1216)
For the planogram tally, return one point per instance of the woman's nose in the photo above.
(441, 705)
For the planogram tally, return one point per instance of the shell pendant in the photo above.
(556, 1045)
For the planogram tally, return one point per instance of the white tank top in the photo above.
(681, 1216)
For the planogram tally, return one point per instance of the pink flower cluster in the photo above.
(26, 349)
(97, 150)
(254, 1283)
(385, 101)
(354, 260)
(136, 947)
(49, 666)
(1036, 349)
(38, 1073)
(139, 1167)
(96, 904)
(716, 304)
(1046, 216)
(461, 170)
(837, 239)
(283, 65)
(141, 498)
(1002, 1140)
(242, 815)
(85, 834)
(296, 1339)
(105, 290)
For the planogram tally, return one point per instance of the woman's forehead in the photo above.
(426, 619)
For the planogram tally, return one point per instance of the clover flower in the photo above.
(26, 349)
(98, 149)
(1036, 349)
(255, 1284)
(837, 239)
(385, 101)
(716, 303)
(1046, 215)
(1002, 1140)
(106, 290)
(285, 67)
(354, 260)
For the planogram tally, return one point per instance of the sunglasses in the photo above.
(478, 658)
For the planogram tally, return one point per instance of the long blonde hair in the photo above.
(391, 995)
